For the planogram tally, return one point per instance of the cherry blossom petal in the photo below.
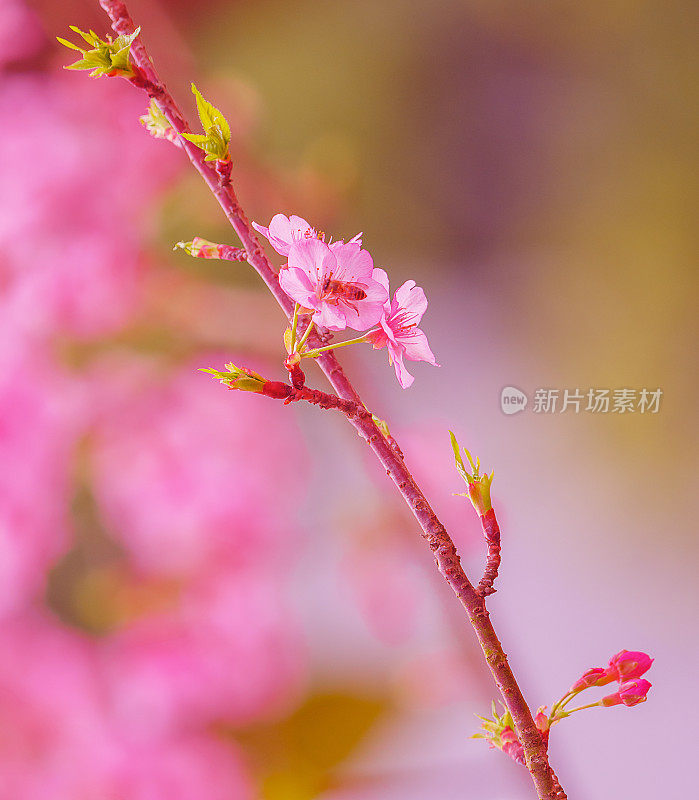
(417, 347)
(364, 314)
(330, 316)
(381, 276)
(412, 299)
(296, 283)
(375, 292)
(353, 263)
(313, 257)
(404, 377)
(283, 231)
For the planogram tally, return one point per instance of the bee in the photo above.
(343, 290)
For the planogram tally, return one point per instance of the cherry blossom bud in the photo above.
(630, 693)
(541, 720)
(628, 664)
(512, 746)
(239, 378)
(478, 485)
(110, 57)
(597, 676)
(298, 378)
(158, 126)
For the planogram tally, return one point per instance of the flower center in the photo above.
(403, 321)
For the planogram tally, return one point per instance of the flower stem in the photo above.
(582, 708)
(439, 541)
(305, 336)
(318, 350)
(561, 703)
(294, 323)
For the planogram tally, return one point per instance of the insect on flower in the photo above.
(342, 290)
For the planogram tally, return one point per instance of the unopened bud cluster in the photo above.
(499, 732)
(626, 668)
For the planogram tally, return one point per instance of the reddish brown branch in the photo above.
(433, 531)
(491, 531)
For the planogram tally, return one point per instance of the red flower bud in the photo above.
(593, 677)
(630, 693)
(511, 745)
(541, 720)
(629, 664)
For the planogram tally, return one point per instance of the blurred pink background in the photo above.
(212, 596)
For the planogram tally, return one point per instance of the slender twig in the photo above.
(491, 531)
(433, 531)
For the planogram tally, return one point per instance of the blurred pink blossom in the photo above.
(50, 712)
(191, 478)
(20, 31)
(194, 767)
(57, 742)
(73, 205)
(229, 651)
(388, 587)
(39, 420)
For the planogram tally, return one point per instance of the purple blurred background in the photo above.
(211, 596)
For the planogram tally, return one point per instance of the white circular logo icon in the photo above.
(512, 400)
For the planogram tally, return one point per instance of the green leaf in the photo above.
(218, 132)
(195, 138)
(204, 109)
(210, 116)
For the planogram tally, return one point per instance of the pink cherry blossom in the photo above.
(628, 664)
(630, 693)
(336, 282)
(283, 231)
(399, 331)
